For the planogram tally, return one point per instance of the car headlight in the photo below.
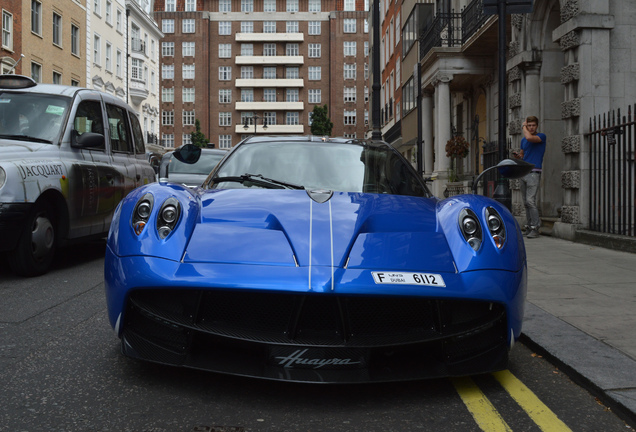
(3, 177)
(168, 217)
(496, 227)
(141, 214)
(471, 228)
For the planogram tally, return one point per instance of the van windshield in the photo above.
(32, 117)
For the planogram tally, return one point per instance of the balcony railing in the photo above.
(473, 17)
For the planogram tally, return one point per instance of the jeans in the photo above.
(529, 191)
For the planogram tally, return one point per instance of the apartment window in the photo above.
(167, 95)
(167, 26)
(269, 5)
(349, 71)
(7, 30)
(409, 34)
(57, 29)
(292, 27)
(36, 17)
(350, 48)
(366, 116)
(366, 94)
(366, 48)
(188, 118)
(118, 20)
(269, 117)
(225, 119)
(247, 118)
(225, 28)
(136, 68)
(247, 72)
(97, 7)
(75, 83)
(292, 72)
(349, 5)
(109, 12)
(247, 5)
(291, 49)
(314, 50)
(186, 138)
(247, 26)
(269, 26)
(408, 95)
(291, 95)
(167, 118)
(292, 118)
(109, 57)
(225, 5)
(225, 50)
(314, 6)
(187, 49)
(247, 95)
(315, 96)
(349, 25)
(75, 40)
(225, 73)
(314, 27)
(292, 5)
(57, 78)
(171, 5)
(349, 94)
(188, 94)
(269, 49)
(366, 25)
(167, 140)
(167, 49)
(118, 63)
(188, 71)
(167, 71)
(225, 141)
(314, 73)
(366, 71)
(187, 26)
(269, 72)
(247, 49)
(36, 72)
(310, 118)
(225, 96)
(190, 5)
(97, 50)
(350, 117)
(269, 95)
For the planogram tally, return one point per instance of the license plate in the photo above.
(402, 278)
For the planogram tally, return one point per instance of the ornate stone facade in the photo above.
(570, 9)
(571, 179)
(570, 40)
(571, 144)
(571, 108)
(570, 73)
(570, 214)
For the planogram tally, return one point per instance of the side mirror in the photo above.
(508, 168)
(88, 140)
(188, 154)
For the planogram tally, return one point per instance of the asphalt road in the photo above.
(61, 370)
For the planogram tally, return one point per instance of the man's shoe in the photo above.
(525, 230)
(534, 233)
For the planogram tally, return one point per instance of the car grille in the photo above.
(222, 330)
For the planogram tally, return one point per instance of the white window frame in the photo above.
(167, 49)
(349, 25)
(225, 73)
(225, 118)
(188, 26)
(225, 28)
(187, 71)
(36, 17)
(315, 28)
(225, 142)
(167, 25)
(188, 49)
(225, 50)
(167, 94)
(225, 96)
(225, 5)
(57, 29)
(7, 30)
(315, 50)
(315, 96)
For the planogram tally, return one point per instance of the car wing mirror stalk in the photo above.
(508, 168)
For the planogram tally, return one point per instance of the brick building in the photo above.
(261, 63)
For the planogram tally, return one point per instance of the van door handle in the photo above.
(138, 177)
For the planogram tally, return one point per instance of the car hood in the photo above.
(15, 148)
(351, 230)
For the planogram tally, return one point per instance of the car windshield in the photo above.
(31, 116)
(343, 167)
(204, 165)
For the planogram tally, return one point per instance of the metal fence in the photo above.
(611, 167)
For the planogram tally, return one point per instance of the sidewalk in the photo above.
(581, 311)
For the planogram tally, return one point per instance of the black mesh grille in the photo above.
(315, 319)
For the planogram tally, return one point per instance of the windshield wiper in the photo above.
(259, 180)
(26, 138)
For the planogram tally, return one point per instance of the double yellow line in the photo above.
(487, 416)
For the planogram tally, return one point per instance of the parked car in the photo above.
(316, 260)
(68, 156)
(172, 169)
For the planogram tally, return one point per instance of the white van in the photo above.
(68, 155)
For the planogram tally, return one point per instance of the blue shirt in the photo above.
(533, 152)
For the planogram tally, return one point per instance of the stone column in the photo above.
(443, 122)
(427, 131)
(532, 103)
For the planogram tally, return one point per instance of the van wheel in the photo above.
(36, 248)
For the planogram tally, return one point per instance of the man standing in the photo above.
(532, 150)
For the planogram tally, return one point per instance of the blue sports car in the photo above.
(316, 260)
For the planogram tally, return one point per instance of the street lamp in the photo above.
(246, 125)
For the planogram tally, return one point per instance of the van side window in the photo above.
(120, 139)
(88, 118)
(140, 147)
